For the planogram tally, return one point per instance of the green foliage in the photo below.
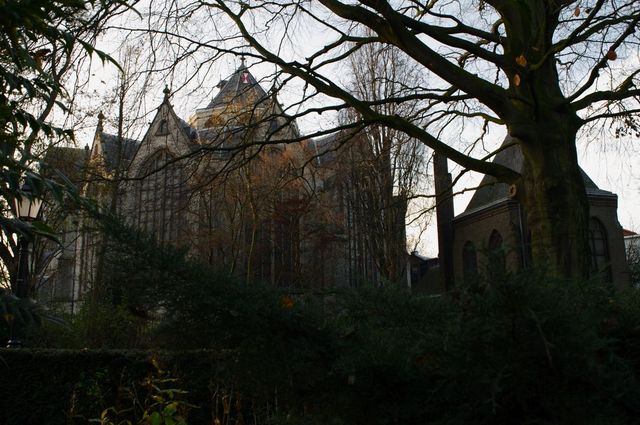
(27, 311)
(518, 348)
(136, 266)
(162, 404)
(42, 40)
(99, 324)
(522, 350)
(532, 349)
(17, 314)
(64, 387)
(34, 30)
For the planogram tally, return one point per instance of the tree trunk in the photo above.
(555, 200)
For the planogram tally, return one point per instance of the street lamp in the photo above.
(27, 209)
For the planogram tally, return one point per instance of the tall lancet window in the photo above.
(497, 261)
(599, 249)
(469, 262)
(161, 200)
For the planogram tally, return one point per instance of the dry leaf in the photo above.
(576, 12)
(516, 80)
(521, 60)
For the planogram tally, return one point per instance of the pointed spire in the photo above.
(166, 92)
(274, 99)
(244, 72)
(100, 125)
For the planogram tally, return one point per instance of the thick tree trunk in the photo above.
(555, 201)
(552, 189)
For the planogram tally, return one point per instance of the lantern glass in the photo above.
(27, 206)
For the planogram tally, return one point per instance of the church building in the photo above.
(243, 190)
(491, 235)
(238, 186)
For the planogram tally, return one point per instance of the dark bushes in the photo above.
(521, 350)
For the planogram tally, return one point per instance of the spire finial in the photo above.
(166, 92)
(100, 121)
(243, 61)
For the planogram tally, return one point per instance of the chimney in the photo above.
(444, 216)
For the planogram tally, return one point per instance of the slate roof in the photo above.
(109, 144)
(327, 148)
(324, 148)
(68, 161)
(241, 87)
(191, 132)
(221, 137)
(491, 192)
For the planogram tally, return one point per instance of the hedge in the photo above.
(520, 351)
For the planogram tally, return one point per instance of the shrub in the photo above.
(516, 349)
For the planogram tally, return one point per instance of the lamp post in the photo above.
(27, 208)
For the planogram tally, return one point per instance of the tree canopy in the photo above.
(41, 44)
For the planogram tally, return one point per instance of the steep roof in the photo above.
(223, 139)
(324, 148)
(491, 191)
(242, 87)
(68, 161)
(109, 144)
(189, 130)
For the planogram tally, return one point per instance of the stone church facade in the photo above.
(232, 187)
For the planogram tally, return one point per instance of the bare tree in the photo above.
(249, 215)
(382, 166)
(541, 69)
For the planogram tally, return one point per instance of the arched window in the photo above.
(161, 199)
(497, 261)
(469, 261)
(599, 246)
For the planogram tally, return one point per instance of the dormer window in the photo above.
(163, 128)
(273, 127)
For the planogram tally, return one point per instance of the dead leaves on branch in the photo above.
(521, 60)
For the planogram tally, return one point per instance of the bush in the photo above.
(63, 387)
(518, 349)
